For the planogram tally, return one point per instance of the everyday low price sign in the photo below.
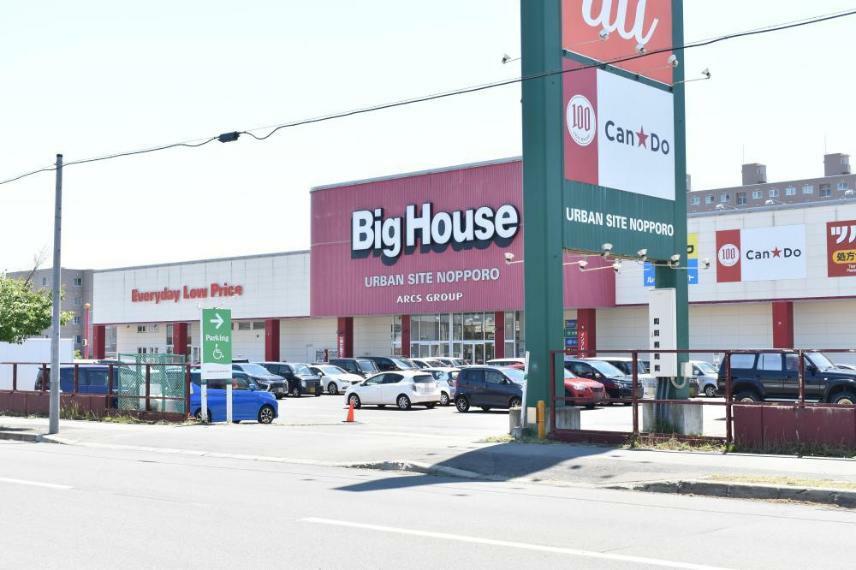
(216, 327)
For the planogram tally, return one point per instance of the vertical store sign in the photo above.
(623, 154)
(841, 248)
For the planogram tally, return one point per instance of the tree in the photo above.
(23, 312)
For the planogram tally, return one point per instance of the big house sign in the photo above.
(623, 135)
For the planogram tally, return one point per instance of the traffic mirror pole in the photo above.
(53, 420)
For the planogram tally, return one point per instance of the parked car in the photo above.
(771, 375)
(91, 378)
(427, 362)
(264, 378)
(333, 378)
(401, 388)
(615, 382)
(707, 377)
(446, 377)
(362, 366)
(846, 366)
(625, 364)
(249, 402)
(387, 363)
(519, 363)
(451, 362)
(583, 391)
(488, 387)
(301, 380)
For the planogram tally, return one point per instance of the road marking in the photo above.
(520, 545)
(35, 484)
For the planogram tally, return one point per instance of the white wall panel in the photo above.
(826, 324)
(299, 339)
(372, 336)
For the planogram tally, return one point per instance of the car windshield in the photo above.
(605, 368)
(820, 360)
(706, 368)
(568, 373)
(367, 365)
(301, 369)
(517, 376)
(404, 363)
(335, 370)
(255, 369)
(423, 379)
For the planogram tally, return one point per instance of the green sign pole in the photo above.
(542, 194)
(216, 349)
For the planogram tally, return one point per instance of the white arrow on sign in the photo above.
(217, 321)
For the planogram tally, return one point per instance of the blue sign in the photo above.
(692, 273)
(571, 336)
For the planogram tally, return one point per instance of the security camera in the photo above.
(604, 35)
(705, 263)
(506, 58)
(606, 249)
(582, 264)
(642, 254)
(675, 258)
(673, 60)
(706, 72)
(616, 266)
(509, 257)
(640, 49)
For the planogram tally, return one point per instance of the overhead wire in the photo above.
(454, 93)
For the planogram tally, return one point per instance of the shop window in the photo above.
(808, 189)
(825, 190)
(473, 326)
(258, 325)
(76, 320)
(169, 331)
(489, 326)
(244, 326)
(141, 329)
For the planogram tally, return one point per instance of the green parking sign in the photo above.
(216, 327)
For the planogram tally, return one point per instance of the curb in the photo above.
(21, 436)
(423, 468)
(838, 497)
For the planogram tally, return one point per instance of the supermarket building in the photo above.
(416, 264)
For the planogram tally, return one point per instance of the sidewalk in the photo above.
(461, 454)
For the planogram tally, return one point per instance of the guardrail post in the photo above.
(110, 386)
(729, 436)
(187, 391)
(148, 387)
(635, 389)
(802, 377)
(76, 384)
(14, 376)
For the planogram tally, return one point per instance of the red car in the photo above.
(582, 391)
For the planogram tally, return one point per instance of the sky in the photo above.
(94, 77)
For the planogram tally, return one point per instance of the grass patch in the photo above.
(785, 481)
(529, 436)
(675, 444)
(802, 450)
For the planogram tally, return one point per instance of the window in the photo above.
(742, 361)
(724, 198)
(77, 301)
(78, 282)
(141, 329)
(757, 194)
(244, 326)
(695, 200)
(792, 362)
(392, 378)
(808, 189)
(708, 199)
(825, 190)
(791, 191)
(741, 198)
(44, 281)
(773, 193)
(842, 186)
(75, 320)
(258, 325)
(493, 377)
(169, 333)
(78, 340)
(770, 362)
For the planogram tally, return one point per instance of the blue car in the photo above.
(249, 402)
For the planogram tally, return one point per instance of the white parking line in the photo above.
(35, 484)
(519, 545)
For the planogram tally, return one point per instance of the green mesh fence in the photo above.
(166, 381)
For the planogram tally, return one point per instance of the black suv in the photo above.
(488, 387)
(266, 380)
(362, 366)
(770, 375)
(300, 379)
(388, 363)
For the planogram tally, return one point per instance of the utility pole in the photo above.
(55, 318)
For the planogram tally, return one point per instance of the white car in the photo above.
(401, 388)
(707, 376)
(427, 363)
(335, 380)
(447, 377)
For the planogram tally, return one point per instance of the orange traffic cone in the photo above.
(350, 418)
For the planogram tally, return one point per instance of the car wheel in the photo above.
(462, 404)
(514, 402)
(279, 396)
(444, 399)
(430, 405)
(403, 402)
(710, 391)
(198, 415)
(295, 392)
(332, 389)
(589, 406)
(266, 414)
(354, 400)
(485, 408)
(746, 396)
(847, 398)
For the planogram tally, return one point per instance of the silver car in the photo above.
(446, 378)
(335, 380)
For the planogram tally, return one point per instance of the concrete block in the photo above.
(514, 420)
(568, 418)
(672, 418)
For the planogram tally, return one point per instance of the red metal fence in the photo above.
(30, 396)
(757, 425)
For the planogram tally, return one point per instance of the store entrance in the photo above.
(477, 352)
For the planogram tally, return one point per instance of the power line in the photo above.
(228, 137)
